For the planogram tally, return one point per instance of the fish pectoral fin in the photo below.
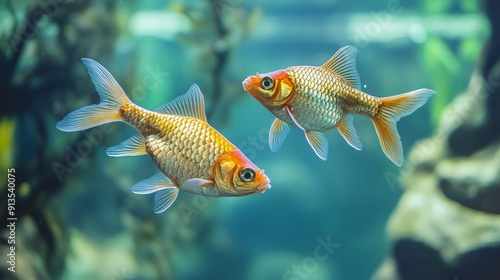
(134, 146)
(156, 183)
(164, 199)
(289, 111)
(348, 131)
(343, 62)
(318, 142)
(199, 186)
(190, 104)
(277, 134)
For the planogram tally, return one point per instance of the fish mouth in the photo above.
(264, 186)
(247, 84)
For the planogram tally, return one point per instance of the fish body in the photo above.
(191, 155)
(320, 98)
(327, 102)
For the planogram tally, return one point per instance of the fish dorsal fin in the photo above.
(343, 63)
(190, 104)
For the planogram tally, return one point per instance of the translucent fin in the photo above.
(277, 134)
(164, 199)
(319, 143)
(289, 111)
(190, 104)
(156, 183)
(343, 62)
(199, 186)
(348, 131)
(134, 146)
(112, 98)
(392, 109)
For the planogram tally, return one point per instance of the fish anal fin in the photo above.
(134, 146)
(392, 109)
(343, 63)
(153, 184)
(348, 132)
(190, 104)
(164, 199)
(277, 134)
(318, 142)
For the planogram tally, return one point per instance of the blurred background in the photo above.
(346, 218)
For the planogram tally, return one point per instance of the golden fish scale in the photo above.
(322, 98)
(182, 147)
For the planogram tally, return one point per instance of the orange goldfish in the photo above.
(191, 155)
(320, 98)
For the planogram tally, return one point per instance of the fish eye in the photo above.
(247, 174)
(267, 82)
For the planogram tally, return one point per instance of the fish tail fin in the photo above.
(112, 99)
(392, 109)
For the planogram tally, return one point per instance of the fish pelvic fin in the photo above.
(164, 189)
(164, 199)
(343, 63)
(112, 98)
(393, 108)
(277, 134)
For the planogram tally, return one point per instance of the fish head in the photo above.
(236, 175)
(273, 89)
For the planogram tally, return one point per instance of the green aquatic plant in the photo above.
(444, 66)
(6, 145)
(451, 50)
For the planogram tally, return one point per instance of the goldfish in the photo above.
(316, 99)
(191, 155)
